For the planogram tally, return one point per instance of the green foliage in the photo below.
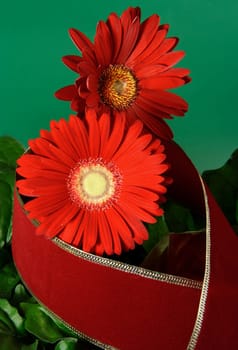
(179, 218)
(5, 213)
(39, 324)
(223, 182)
(12, 313)
(67, 344)
(8, 280)
(156, 233)
(24, 323)
(10, 150)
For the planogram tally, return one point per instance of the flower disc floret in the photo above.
(117, 87)
(94, 185)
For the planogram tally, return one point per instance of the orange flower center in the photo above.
(117, 87)
(94, 185)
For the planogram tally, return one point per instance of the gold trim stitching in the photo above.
(155, 275)
(203, 299)
(136, 270)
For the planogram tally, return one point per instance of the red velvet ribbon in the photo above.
(128, 311)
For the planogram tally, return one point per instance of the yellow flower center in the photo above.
(94, 185)
(117, 87)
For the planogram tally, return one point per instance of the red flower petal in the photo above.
(114, 141)
(152, 108)
(93, 139)
(133, 132)
(52, 151)
(72, 62)
(80, 40)
(38, 162)
(66, 93)
(114, 25)
(51, 174)
(80, 136)
(139, 231)
(78, 104)
(159, 127)
(85, 68)
(168, 99)
(148, 30)
(105, 234)
(82, 228)
(129, 41)
(104, 125)
(129, 16)
(83, 91)
(55, 224)
(89, 240)
(158, 82)
(142, 192)
(119, 226)
(35, 187)
(72, 230)
(171, 58)
(166, 46)
(148, 71)
(103, 44)
(176, 72)
(92, 100)
(92, 83)
(154, 44)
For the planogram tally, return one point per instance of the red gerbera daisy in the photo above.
(93, 183)
(128, 68)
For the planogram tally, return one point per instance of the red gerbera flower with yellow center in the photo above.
(94, 182)
(128, 69)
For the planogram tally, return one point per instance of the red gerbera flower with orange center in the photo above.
(128, 69)
(93, 183)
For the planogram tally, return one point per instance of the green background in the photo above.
(34, 38)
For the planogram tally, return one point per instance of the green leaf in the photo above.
(8, 280)
(8, 342)
(235, 228)
(66, 330)
(10, 150)
(230, 170)
(178, 217)
(33, 346)
(237, 210)
(223, 192)
(67, 344)
(5, 211)
(223, 183)
(156, 232)
(75, 344)
(39, 324)
(5, 256)
(6, 325)
(14, 316)
(20, 295)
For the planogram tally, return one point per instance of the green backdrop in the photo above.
(34, 37)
